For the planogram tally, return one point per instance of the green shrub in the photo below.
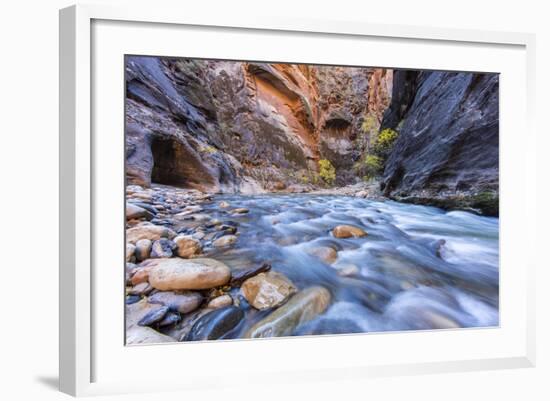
(327, 171)
(369, 167)
(373, 166)
(385, 141)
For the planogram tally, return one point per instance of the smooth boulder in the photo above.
(300, 309)
(267, 290)
(137, 212)
(143, 249)
(215, 324)
(347, 231)
(148, 231)
(182, 302)
(188, 274)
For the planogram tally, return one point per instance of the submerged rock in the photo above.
(301, 308)
(188, 274)
(239, 210)
(347, 231)
(267, 290)
(226, 240)
(215, 324)
(324, 253)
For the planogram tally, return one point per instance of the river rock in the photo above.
(170, 319)
(301, 308)
(215, 324)
(239, 210)
(140, 289)
(347, 231)
(153, 316)
(140, 275)
(162, 248)
(220, 302)
(324, 253)
(224, 205)
(242, 274)
(188, 274)
(187, 246)
(143, 249)
(136, 212)
(146, 335)
(226, 240)
(348, 270)
(190, 210)
(182, 302)
(267, 290)
(130, 250)
(148, 231)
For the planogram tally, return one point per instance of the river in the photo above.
(418, 268)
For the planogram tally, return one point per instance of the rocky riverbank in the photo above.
(175, 292)
(193, 271)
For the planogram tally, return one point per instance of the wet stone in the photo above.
(154, 316)
(215, 324)
(163, 248)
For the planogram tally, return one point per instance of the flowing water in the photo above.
(418, 268)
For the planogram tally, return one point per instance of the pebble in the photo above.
(220, 302)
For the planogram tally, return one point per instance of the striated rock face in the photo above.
(227, 126)
(447, 150)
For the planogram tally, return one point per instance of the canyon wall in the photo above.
(447, 150)
(229, 126)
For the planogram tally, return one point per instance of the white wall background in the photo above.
(29, 186)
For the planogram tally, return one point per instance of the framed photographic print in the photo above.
(278, 188)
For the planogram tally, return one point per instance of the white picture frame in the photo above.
(80, 345)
